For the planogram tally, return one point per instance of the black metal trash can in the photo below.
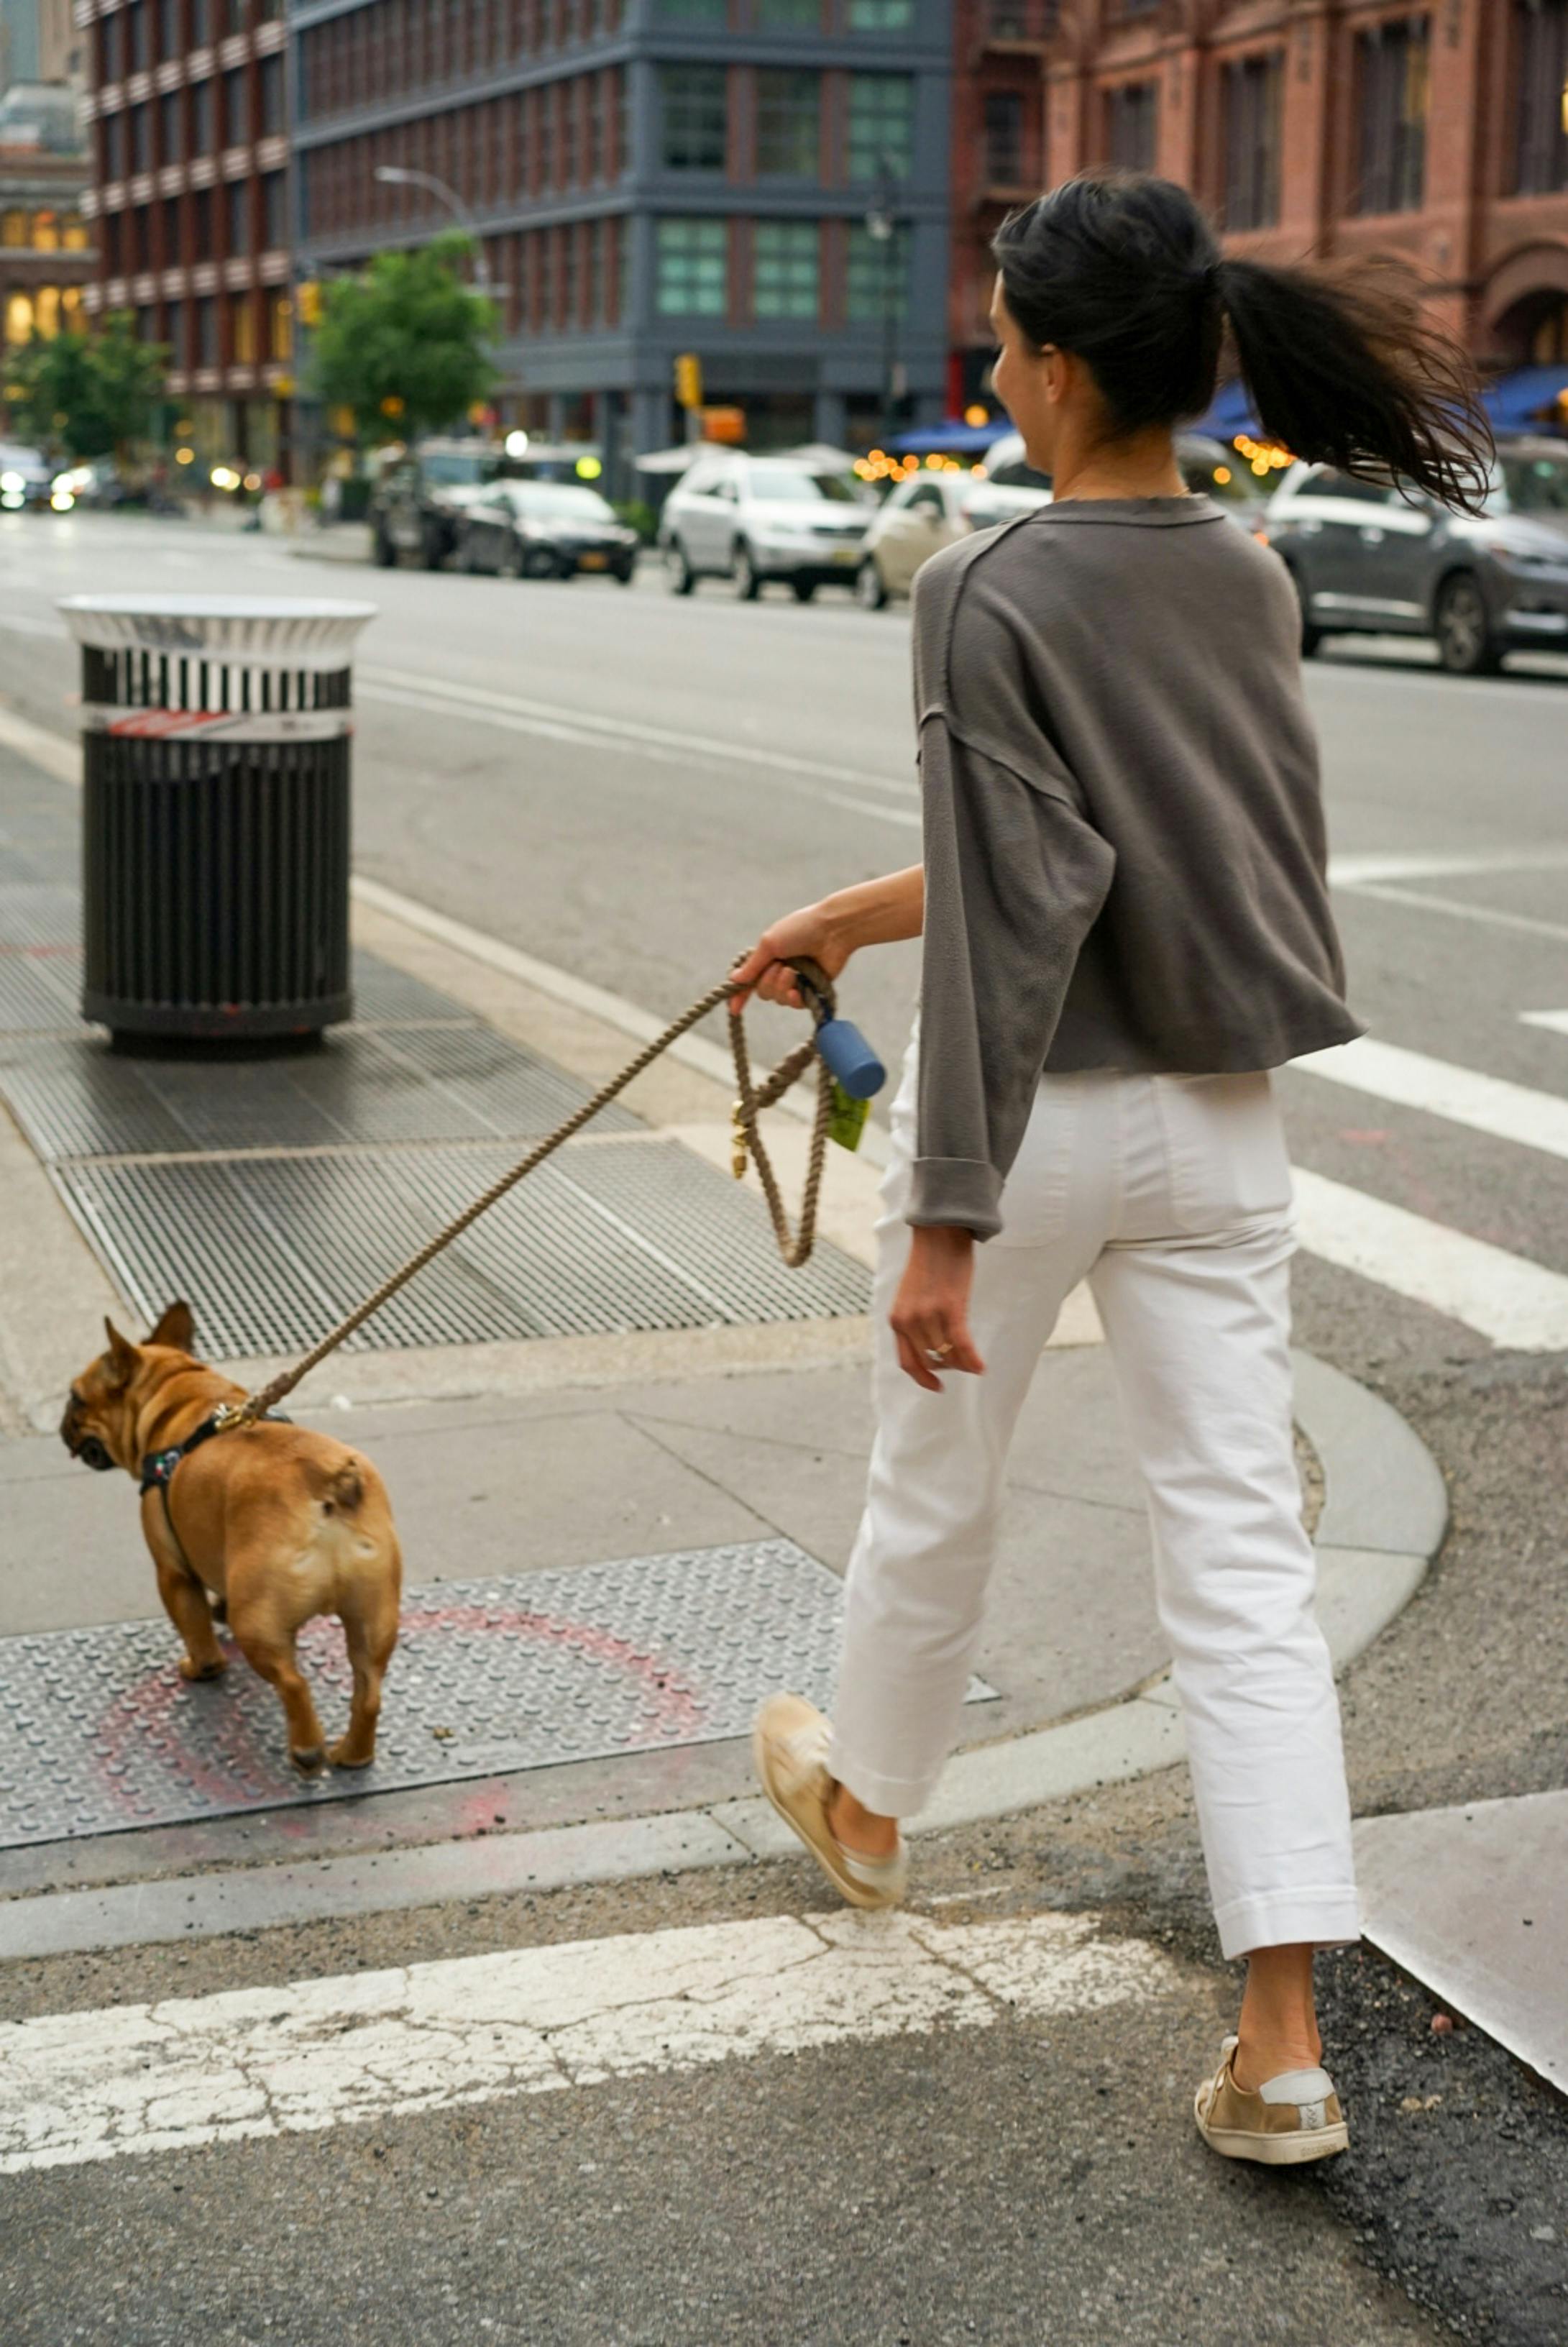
(216, 813)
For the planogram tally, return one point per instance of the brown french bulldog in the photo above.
(278, 1523)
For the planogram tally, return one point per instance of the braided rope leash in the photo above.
(750, 1100)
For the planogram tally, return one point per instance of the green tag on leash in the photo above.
(847, 1121)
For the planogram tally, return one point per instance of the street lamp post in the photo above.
(399, 175)
(883, 230)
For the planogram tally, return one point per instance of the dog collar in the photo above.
(157, 1467)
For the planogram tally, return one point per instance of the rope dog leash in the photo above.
(837, 1048)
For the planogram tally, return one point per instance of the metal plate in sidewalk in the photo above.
(40, 990)
(98, 1732)
(607, 1237)
(40, 913)
(76, 1097)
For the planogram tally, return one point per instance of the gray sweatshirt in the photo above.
(1124, 832)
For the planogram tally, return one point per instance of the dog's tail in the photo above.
(343, 1490)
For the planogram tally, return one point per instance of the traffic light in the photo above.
(688, 379)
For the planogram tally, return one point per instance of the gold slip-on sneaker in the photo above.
(789, 1744)
(1294, 2117)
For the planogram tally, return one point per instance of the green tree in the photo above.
(406, 343)
(87, 395)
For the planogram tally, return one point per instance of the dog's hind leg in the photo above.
(271, 1655)
(184, 1600)
(372, 1633)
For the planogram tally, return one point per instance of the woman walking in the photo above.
(1126, 925)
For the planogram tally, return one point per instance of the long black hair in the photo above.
(1126, 272)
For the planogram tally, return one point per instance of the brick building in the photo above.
(190, 121)
(47, 258)
(648, 177)
(1333, 128)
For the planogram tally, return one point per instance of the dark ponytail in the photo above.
(1124, 271)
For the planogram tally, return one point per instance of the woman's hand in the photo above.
(930, 1315)
(814, 934)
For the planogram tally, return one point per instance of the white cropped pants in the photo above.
(1172, 1195)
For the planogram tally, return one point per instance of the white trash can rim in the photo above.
(275, 631)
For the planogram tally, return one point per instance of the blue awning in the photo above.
(1230, 414)
(1523, 400)
(950, 439)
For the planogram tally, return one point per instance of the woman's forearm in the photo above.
(877, 912)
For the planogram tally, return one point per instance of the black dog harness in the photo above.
(157, 1467)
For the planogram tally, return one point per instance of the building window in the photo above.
(272, 101)
(202, 223)
(74, 235)
(878, 278)
(46, 233)
(114, 146)
(693, 268)
(786, 271)
(141, 139)
(1391, 82)
(239, 216)
(169, 125)
(1132, 125)
(569, 123)
(207, 332)
(881, 15)
(236, 113)
(136, 32)
(18, 317)
(201, 117)
(595, 128)
(1542, 46)
(787, 15)
(169, 44)
(595, 272)
(881, 126)
(1004, 161)
(789, 125)
(274, 211)
(281, 326)
(201, 24)
(244, 316)
(15, 228)
(47, 311)
(1252, 119)
(692, 107)
(171, 231)
(176, 319)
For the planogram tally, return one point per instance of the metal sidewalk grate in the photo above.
(76, 1097)
(606, 1237)
(40, 913)
(99, 1733)
(40, 990)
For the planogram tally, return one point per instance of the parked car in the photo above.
(544, 529)
(26, 477)
(1383, 559)
(417, 503)
(753, 519)
(928, 511)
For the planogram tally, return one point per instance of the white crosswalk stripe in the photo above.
(177, 2075)
(1410, 1080)
(1514, 1302)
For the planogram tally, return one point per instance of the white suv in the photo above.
(752, 519)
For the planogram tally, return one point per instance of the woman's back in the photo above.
(1135, 662)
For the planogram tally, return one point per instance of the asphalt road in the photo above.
(628, 787)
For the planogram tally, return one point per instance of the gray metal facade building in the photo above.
(652, 177)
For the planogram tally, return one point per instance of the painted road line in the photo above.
(1485, 916)
(483, 702)
(553, 730)
(1557, 1021)
(1442, 864)
(1461, 1095)
(1515, 1303)
(189, 2072)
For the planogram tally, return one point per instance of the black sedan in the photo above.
(545, 529)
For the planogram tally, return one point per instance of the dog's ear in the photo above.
(177, 1328)
(121, 1358)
